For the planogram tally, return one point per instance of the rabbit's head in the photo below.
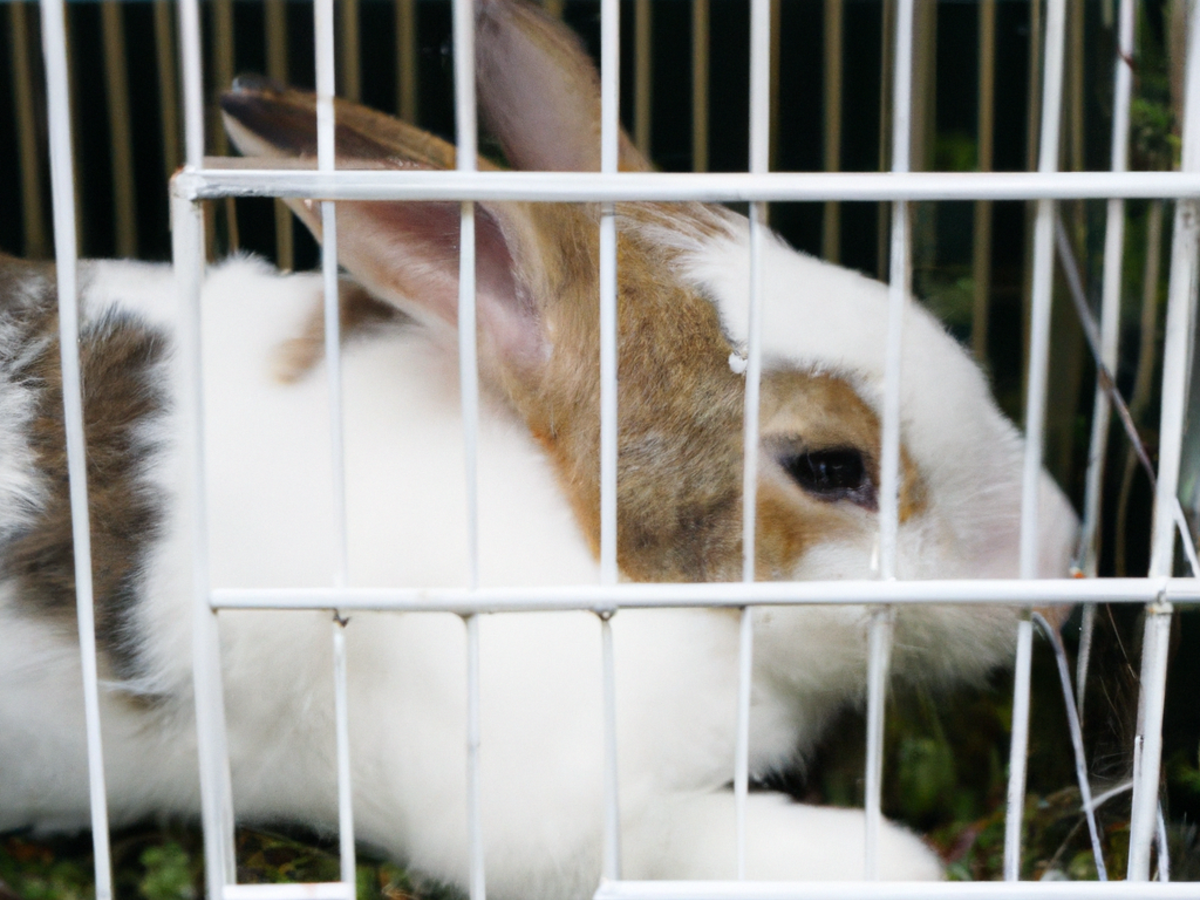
(683, 277)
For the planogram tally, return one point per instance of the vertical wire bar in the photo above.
(832, 223)
(879, 649)
(193, 86)
(609, 131)
(1177, 353)
(119, 128)
(643, 74)
(326, 162)
(466, 156)
(1075, 726)
(750, 419)
(406, 59)
(611, 865)
(609, 144)
(981, 263)
(216, 793)
(187, 246)
(66, 259)
(1147, 748)
(880, 631)
(323, 24)
(275, 22)
(1035, 404)
(168, 86)
(466, 128)
(346, 850)
(700, 53)
(30, 163)
(476, 880)
(1110, 312)
(760, 151)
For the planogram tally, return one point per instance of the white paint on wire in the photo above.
(611, 865)
(216, 791)
(879, 636)
(719, 595)
(325, 65)
(54, 43)
(468, 356)
(1075, 726)
(879, 648)
(880, 890)
(609, 160)
(760, 143)
(1015, 800)
(1147, 750)
(193, 82)
(222, 178)
(476, 881)
(326, 162)
(1177, 352)
(1035, 404)
(345, 788)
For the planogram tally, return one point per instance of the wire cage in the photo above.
(1014, 164)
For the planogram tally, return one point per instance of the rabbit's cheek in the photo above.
(801, 536)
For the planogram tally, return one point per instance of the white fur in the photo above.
(271, 524)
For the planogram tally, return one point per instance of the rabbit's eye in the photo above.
(835, 474)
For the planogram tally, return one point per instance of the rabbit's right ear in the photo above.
(539, 91)
(406, 252)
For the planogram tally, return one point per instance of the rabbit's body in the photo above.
(271, 524)
(682, 306)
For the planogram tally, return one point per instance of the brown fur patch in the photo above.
(680, 407)
(121, 361)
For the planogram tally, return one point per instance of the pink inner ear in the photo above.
(409, 253)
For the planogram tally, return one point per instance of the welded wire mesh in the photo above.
(906, 111)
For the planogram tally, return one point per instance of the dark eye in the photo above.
(836, 474)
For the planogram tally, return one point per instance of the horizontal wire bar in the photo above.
(322, 890)
(604, 599)
(880, 890)
(220, 179)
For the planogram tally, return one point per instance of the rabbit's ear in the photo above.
(539, 92)
(407, 252)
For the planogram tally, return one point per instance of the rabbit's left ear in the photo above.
(406, 252)
(539, 91)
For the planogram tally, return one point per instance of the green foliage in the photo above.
(34, 871)
(168, 864)
(170, 873)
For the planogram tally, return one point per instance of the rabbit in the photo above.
(683, 276)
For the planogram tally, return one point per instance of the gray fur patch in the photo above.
(121, 363)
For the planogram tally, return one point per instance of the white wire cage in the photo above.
(203, 178)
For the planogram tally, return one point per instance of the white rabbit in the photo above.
(683, 283)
